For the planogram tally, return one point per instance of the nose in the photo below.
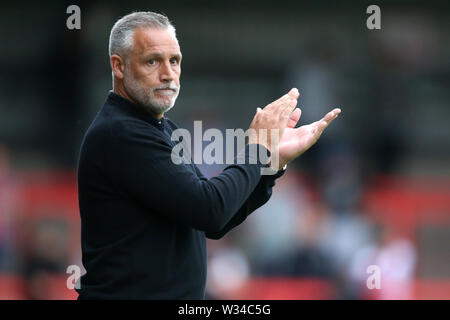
(166, 72)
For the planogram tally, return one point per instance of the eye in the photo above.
(151, 62)
(174, 61)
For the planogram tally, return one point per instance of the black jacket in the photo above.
(144, 219)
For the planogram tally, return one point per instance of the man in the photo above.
(144, 219)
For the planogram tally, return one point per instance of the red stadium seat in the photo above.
(286, 289)
(12, 287)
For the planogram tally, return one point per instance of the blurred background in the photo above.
(375, 190)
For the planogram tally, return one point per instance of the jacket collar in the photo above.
(133, 109)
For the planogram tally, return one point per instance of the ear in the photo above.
(117, 66)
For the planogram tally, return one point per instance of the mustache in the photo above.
(172, 86)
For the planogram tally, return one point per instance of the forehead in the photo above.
(147, 40)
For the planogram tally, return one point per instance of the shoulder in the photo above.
(112, 128)
(119, 124)
(126, 127)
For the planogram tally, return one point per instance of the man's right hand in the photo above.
(274, 116)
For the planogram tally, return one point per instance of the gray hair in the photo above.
(121, 37)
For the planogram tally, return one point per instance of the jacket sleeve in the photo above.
(257, 198)
(140, 165)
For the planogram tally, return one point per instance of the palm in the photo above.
(295, 141)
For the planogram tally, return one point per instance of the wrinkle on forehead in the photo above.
(147, 40)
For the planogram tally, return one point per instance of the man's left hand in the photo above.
(296, 141)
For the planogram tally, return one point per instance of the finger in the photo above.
(294, 118)
(321, 126)
(280, 102)
(326, 121)
(294, 93)
(330, 116)
(288, 105)
(286, 111)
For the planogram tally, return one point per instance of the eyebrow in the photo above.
(159, 55)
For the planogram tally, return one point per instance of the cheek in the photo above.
(178, 73)
(142, 72)
(148, 78)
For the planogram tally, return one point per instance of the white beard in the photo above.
(146, 96)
